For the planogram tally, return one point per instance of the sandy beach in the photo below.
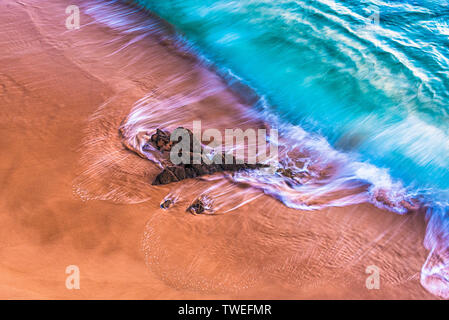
(72, 194)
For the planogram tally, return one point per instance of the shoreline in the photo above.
(263, 250)
(405, 200)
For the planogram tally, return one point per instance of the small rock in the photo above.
(286, 172)
(197, 207)
(165, 177)
(166, 204)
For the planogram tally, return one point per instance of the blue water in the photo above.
(372, 77)
(376, 88)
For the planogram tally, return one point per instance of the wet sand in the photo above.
(73, 195)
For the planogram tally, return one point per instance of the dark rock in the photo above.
(200, 169)
(214, 168)
(179, 172)
(161, 140)
(165, 177)
(197, 207)
(169, 174)
(166, 204)
(190, 173)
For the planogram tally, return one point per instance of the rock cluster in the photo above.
(166, 204)
(176, 173)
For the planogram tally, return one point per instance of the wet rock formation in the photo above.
(175, 173)
(197, 207)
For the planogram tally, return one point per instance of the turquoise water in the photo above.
(370, 76)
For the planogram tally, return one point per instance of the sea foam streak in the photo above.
(334, 178)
